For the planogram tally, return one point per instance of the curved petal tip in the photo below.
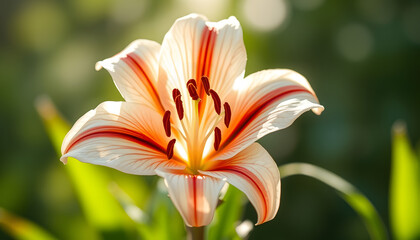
(63, 159)
(98, 66)
(318, 110)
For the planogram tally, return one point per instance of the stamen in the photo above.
(175, 93)
(217, 138)
(170, 149)
(192, 89)
(167, 123)
(193, 82)
(179, 108)
(216, 100)
(206, 84)
(228, 113)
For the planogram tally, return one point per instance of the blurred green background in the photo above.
(361, 57)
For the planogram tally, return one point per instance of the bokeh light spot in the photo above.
(377, 11)
(265, 15)
(40, 25)
(214, 9)
(411, 23)
(354, 42)
(70, 69)
(126, 11)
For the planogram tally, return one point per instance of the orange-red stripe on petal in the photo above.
(253, 180)
(115, 132)
(195, 196)
(204, 62)
(258, 108)
(196, 190)
(255, 173)
(138, 66)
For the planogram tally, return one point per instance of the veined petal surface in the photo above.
(194, 47)
(262, 103)
(174, 130)
(195, 196)
(125, 136)
(255, 173)
(134, 71)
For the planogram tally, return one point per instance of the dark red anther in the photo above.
(167, 123)
(216, 100)
(179, 108)
(192, 89)
(170, 148)
(217, 138)
(228, 113)
(206, 84)
(193, 82)
(175, 93)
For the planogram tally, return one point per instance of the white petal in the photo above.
(125, 136)
(194, 47)
(195, 196)
(265, 102)
(255, 173)
(134, 71)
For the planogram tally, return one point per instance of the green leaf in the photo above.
(90, 182)
(136, 214)
(21, 228)
(404, 187)
(227, 216)
(165, 221)
(348, 192)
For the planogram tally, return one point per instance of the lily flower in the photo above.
(192, 118)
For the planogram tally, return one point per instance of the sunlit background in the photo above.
(361, 57)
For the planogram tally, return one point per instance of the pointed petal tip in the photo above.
(63, 159)
(261, 221)
(98, 66)
(318, 110)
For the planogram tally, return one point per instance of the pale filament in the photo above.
(210, 130)
(189, 130)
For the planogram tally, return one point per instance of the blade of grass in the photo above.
(21, 228)
(165, 221)
(404, 187)
(348, 192)
(139, 217)
(227, 216)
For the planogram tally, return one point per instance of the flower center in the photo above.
(194, 132)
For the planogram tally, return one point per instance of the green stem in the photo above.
(195, 233)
